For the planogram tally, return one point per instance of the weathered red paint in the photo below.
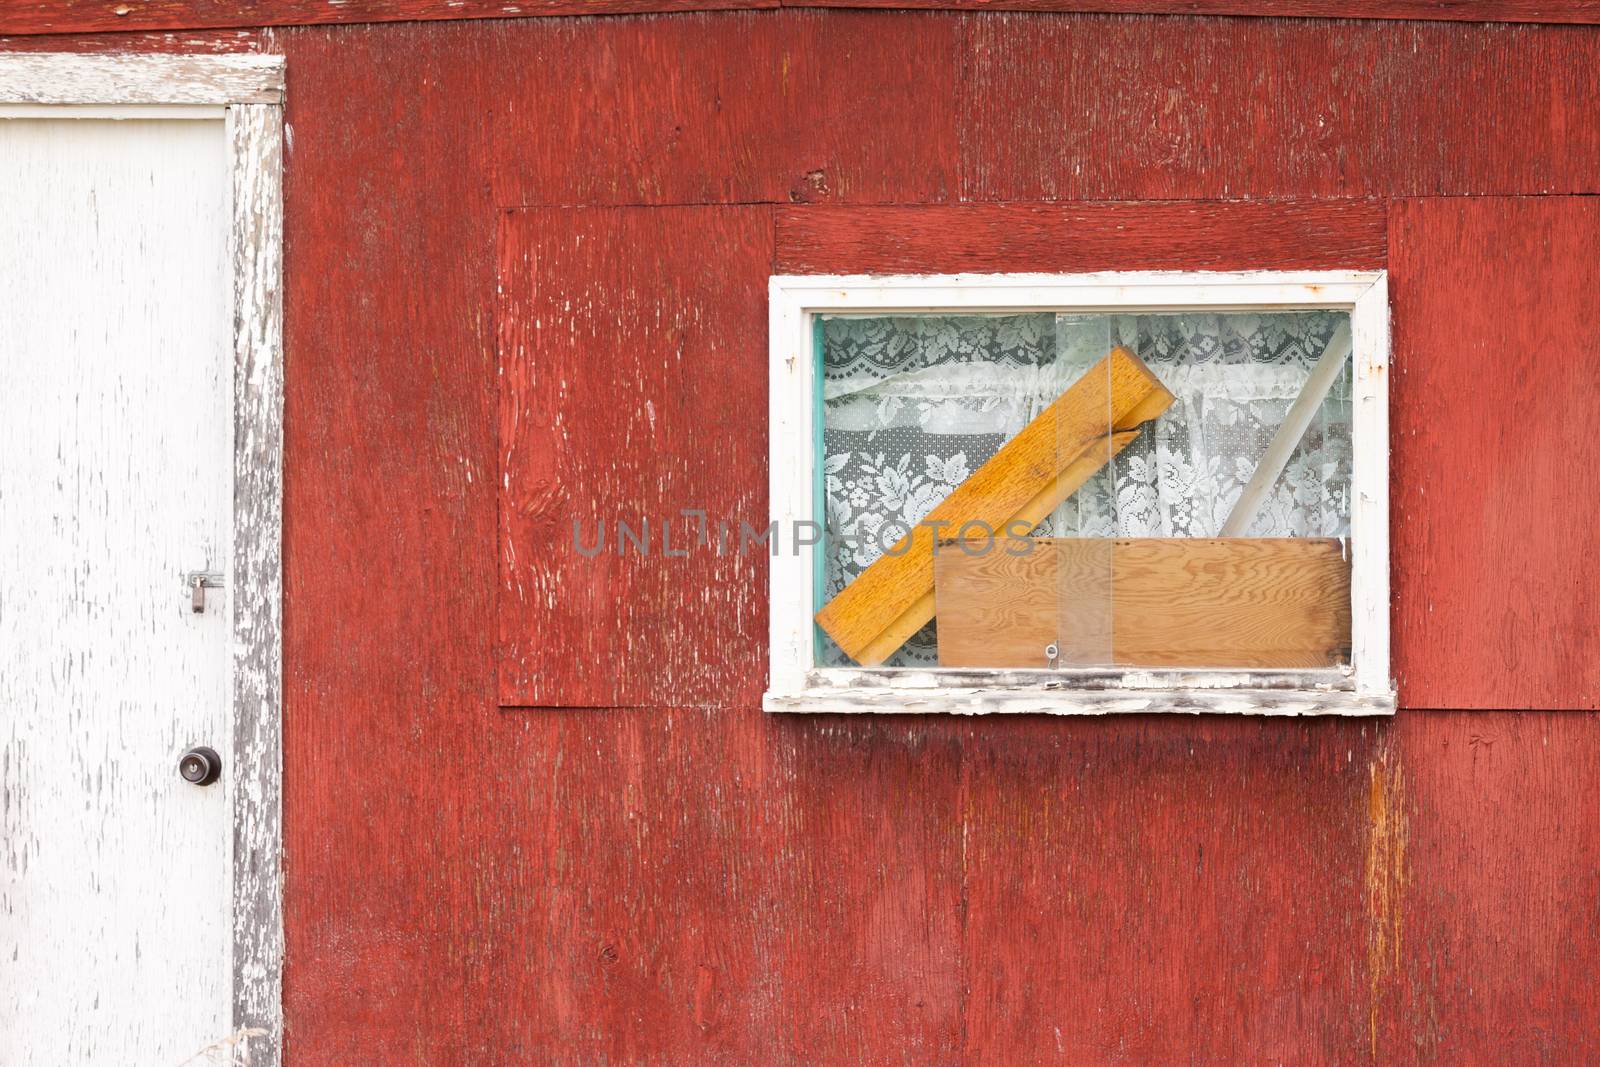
(1085, 236)
(1497, 359)
(672, 884)
(654, 419)
(1138, 109)
(112, 16)
(858, 108)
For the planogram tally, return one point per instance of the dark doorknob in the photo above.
(200, 765)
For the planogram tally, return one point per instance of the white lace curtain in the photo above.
(913, 405)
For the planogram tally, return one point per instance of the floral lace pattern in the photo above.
(915, 404)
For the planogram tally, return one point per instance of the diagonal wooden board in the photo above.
(1243, 602)
(1036, 470)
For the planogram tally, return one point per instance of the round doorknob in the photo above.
(200, 765)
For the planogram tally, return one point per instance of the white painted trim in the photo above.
(250, 88)
(165, 112)
(1040, 700)
(255, 138)
(794, 684)
(1369, 506)
(71, 78)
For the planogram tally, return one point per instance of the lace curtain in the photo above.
(913, 405)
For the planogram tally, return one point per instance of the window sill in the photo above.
(1079, 692)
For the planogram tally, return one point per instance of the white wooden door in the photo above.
(116, 479)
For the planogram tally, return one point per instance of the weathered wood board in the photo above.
(658, 111)
(627, 370)
(110, 17)
(1248, 602)
(1497, 562)
(1046, 462)
(116, 877)
(1223, 109)
(714, 886)
(1342, 234)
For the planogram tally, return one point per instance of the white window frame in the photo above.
(1363, 687)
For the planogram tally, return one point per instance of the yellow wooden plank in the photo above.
(1053, 455)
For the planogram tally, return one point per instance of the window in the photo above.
(1081, 493)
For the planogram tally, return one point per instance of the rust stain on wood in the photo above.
(1385, 881)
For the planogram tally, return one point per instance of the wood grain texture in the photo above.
(1563, 11)
(124, 16)
(227, 78)
(729, 108)
(628, 375)
(1229, 108)
(389, 442)
(1046, 462)
(715, 886)
(718, 886)
(1495, 572)
(467, 886)
(1166, 890)
(115, 275)
(1096, 236)
(114, 16)
(1481, 887)
(1272, 603)
(191, 42)
(255, 135)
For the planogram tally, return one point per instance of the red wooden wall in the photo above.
(504, 237)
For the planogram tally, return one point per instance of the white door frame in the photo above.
(247, 92)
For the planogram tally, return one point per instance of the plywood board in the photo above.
(1166, 108)
(1341, 234)
(627, 370)
(1496, 530)
(1248, 602)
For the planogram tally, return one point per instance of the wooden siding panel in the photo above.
(711, 885)
(723, 887)
(1141, 108)
(123, 16)
(1482, 889)
(1495, 534)
(1065, 238)
(1563, 11)
(1166, 890)
(114, 16)
(632, 387)
(844, 107)
(200, 42)
(389, 531)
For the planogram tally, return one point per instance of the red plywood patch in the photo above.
(1143, 108)
(633, 374)
(791, 107)
(723, 887)
(389, 576)
(1486, 924)
(1003, 238)
(1495, 529)
(1165, 890)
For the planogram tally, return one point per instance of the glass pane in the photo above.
(1075, 490)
